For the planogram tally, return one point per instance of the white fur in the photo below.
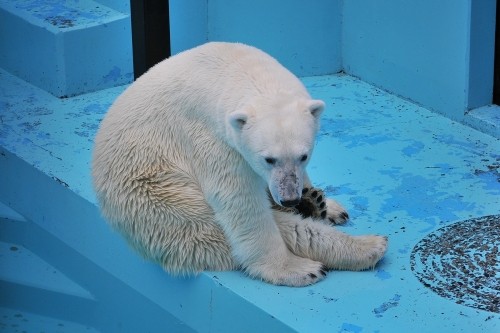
(184, 156)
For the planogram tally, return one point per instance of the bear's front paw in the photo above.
(335, 213)
(312, 204)
(294, 272)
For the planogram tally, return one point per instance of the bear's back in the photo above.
(214, 78)
(181, 104)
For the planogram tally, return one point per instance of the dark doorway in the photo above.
(150, 33)
(496, 77)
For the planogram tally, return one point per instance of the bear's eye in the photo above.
(270, 160)
(303, 158)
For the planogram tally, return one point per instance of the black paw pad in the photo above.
(312, 203)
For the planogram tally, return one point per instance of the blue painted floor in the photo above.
(429, 183)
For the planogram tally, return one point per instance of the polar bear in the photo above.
(186, 156)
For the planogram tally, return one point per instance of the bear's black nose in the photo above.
(290, 203)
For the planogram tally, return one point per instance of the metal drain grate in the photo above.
(462, 262)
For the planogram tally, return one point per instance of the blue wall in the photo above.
(436, 53)
(188, 24)
(304, 37)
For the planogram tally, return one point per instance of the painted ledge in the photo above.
(485, 119)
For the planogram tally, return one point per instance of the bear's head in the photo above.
(276, 137)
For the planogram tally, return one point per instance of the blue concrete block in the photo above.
(485, 119)
(20, 266)
(66, 48)
(9, 213)
(119, 5)
(15, 320)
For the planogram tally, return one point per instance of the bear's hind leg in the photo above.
(195, 247)
(175, 227)
(321, 242)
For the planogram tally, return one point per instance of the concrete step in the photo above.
(57, 289)
(14, 321)
(35, 294)
(20, 266)
(66, 47)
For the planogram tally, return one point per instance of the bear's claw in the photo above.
(314, 203)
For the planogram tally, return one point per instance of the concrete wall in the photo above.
(188, 24)
(303, 36)
(436, 53)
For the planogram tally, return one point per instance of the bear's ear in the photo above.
(238, 119)
(316, 107)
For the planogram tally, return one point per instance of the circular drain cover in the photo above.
(462, 262)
